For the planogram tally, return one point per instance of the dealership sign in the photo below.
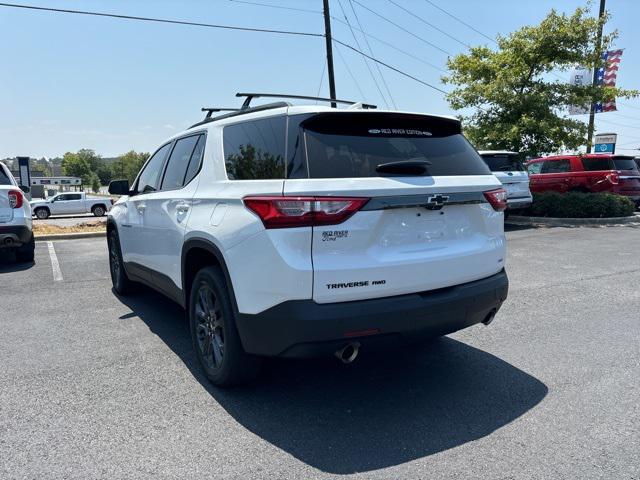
(605, 143)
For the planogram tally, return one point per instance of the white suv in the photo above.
(15, 218)
(305, 230)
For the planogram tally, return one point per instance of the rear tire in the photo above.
(214, 334)
(121, 283)
(98, 210)
(26, 252)
(42, 213)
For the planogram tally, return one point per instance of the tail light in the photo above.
(613, 178)
(15, 198)
(497, 198)
(285, 212)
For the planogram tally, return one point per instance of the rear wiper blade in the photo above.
(405, 167)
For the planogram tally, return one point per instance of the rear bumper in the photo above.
(14, 235)
(519, 202)
(303, 328)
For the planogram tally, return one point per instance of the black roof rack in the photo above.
(246, 105)
(251, 96)
(235, 112)
(211, 110)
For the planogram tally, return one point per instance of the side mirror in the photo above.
(25, 189)
(119, 187)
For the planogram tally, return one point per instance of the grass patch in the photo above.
(85, 227)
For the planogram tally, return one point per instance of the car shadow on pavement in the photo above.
(385, 409)
(9, 264)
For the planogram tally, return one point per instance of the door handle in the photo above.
(141, 208)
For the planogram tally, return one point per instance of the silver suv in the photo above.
(15, 218)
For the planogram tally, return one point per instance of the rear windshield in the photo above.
(503, 162)
(348, 145)
(625, 163)
(4, 179)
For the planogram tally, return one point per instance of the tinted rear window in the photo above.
(503, 162)
(254, 150)
(625, 163)
(345, 145)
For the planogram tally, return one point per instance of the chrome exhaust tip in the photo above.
(349, 352)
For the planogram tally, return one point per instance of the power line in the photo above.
(461, 21)
(390, 67)
(346, 66)
(384, 99)
(342, 22)
(404, 52)
(429, 24)
(619, 124)
(324, 68)
(393, 102)
(282, 7)
(628, 105)
(160, 20)
(433, 45)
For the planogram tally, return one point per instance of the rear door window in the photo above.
(556, 166)
(255, 150)
(196, 160)
(179, 162)
(347, 145)
(595, 164)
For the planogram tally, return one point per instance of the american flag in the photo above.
(606, 75)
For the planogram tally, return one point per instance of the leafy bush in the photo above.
(580, 205)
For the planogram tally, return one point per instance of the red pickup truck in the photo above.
(585, 173)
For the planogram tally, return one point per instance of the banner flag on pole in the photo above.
(607, 75)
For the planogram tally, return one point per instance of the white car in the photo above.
(15, 218)
(295, 231)
(509, 169)
(76, 203)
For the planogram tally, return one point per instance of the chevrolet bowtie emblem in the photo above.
(436, 202)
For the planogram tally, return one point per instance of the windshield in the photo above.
(348, 146)
(503, 162)
(625, 163)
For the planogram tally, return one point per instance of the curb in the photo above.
(572, 222)
(70, 236)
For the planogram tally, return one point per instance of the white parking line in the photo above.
(55, 266)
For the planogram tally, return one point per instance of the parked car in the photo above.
(15, 218)
(70, 204)
(509, 169)
(297, 231)
(586, 173)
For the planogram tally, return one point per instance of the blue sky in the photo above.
(71, 82)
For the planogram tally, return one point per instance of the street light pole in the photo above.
(592, 110)
(327, 36)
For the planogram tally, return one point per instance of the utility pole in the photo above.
(596, 64)
(327, 37)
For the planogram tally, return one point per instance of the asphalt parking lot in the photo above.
(96, 386)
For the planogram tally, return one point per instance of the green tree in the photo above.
(518, 105)
(127, 165)
(75, 165)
